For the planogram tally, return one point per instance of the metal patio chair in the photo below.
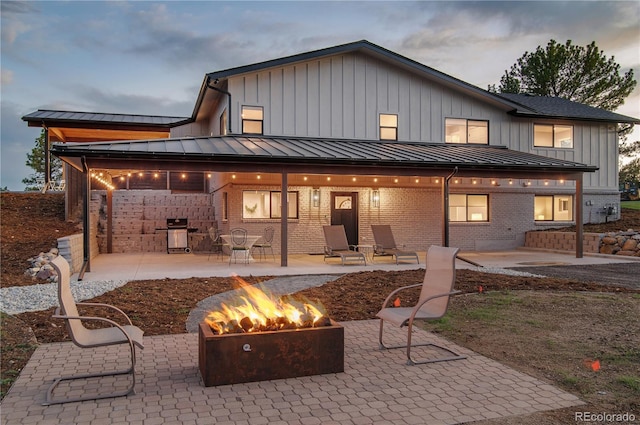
(266, 243)
(386, 245)
(337, 245)
(217, 244)
(437, 289)
(88, 338)
(239, 245)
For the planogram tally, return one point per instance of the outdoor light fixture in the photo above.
(375, 198)
(315, 197)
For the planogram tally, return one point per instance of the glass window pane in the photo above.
(563, 209)
(388, 133)
(479, 132)
(457, 207)
(252, 113)
(478, 208)
(455, 130)
(563, 136)
(255, 204)
(292, 205)
(543, 135)
(388, 120)
(252, 127)
(543, 208)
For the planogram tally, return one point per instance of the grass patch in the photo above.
(631, 382)
(632, 205)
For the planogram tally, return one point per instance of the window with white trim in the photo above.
(460, 130)
(252, 119)
(553, 208)
(388, 127)
(265, 204)
(552, 136)
(464, 207)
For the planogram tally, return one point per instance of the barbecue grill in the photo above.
(177, 235)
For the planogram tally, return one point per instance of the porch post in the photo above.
(86, 233)
(284, 215)
(47, 161)
(579, 218)
(109, 221)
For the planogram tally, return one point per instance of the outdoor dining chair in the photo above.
(239, 245)
(217, 244)
(437, 289)
(266, 243)
(84, 337)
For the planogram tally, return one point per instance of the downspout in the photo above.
(86, 264)
(223, 92)
(445, 207)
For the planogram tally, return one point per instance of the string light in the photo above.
(102, 180)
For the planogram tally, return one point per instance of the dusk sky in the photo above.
(143, 57)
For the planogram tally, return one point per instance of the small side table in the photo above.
(367, 250)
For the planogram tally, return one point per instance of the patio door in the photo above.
(344, 210)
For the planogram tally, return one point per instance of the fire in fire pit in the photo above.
(258, 311)
(262, 337)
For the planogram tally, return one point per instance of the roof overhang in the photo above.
(263, 154)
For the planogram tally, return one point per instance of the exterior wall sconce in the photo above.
(315, 197)
(375, 198)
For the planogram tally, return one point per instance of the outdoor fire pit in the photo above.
(268, 338)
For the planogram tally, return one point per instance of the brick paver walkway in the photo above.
(376, 388)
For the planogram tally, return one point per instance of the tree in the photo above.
(36, 159)
(630, 171)
(580, 74)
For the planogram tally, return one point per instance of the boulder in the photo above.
(630, 245)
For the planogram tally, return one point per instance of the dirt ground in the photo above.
(546, 327)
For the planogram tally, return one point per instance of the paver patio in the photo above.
(376, 387)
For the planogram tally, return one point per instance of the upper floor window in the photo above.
(459, 130)
(553, 208)
(463, 207)
(252, 119)
(552, 136)
(388, 127)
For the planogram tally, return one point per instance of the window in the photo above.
(252, 119)
(267, 204)
(553, 208)
(552, 136)
(459, 130)
(388, 127)
(464, 207)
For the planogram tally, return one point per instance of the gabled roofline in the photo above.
(362, 45)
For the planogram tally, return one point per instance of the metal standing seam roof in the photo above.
(103, 118)
(319, 151)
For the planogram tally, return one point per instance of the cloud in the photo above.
(6, 77)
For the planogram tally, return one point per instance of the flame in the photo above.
(255, 310)
(594, 365)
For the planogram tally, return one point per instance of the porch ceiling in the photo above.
(239, 153)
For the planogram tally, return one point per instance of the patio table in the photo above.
(251, 240)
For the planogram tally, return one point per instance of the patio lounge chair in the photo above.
(88, 338)
(437, 288)
(386, 245)
(337, 246)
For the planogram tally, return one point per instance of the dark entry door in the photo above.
(344, 210)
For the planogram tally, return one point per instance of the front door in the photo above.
(344, 210)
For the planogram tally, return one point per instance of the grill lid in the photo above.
(177, 223)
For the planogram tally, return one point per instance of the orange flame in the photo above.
(255, 310)
(396, 302)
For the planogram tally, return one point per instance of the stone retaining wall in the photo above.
(621, 243)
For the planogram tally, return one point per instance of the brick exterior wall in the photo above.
(415, 216)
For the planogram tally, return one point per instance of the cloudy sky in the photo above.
(144, 57)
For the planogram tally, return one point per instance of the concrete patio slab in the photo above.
(376, 387)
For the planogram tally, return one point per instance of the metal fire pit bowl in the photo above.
(261, 356)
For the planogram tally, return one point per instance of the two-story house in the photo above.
(355, 135)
